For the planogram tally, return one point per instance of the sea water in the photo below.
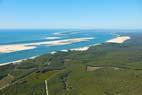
(10, 37)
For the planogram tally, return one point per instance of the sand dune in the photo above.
(13, 48)
(119, 40)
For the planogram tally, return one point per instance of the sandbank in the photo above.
(14, 48)
(119, 40)
(80, 49)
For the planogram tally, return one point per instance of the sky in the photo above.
(96, 14)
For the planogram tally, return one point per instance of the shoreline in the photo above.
(118, 40)
(13, 62)
(17, 61)
(85, 48)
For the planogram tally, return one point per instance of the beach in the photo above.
(80, 49)
(17, 61)
(13, 62)
(53, 52)
(14, 48)
(119, 40)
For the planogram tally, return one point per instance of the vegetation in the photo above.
(116, 70)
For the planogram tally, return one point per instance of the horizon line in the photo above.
(70, 28)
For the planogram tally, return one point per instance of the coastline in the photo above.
(53, 52)
(17, 61)
(13, 62)
(118, 40)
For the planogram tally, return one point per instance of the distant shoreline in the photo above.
(119, 40)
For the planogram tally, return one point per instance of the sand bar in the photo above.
(20, 47)
(119, 40)
(14, 48)
(62, 42)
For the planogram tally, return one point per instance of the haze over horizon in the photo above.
(82, 14)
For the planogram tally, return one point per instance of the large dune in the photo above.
(119, 40)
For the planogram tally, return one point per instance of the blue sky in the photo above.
(104, 14)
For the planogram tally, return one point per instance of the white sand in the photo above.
(119, 40)
(52, 38)
(80, 49)
(13, 48)
(17, 61)
(64, 50)
(20, 47)
(13, 62)
(53, 52)
(62, 42)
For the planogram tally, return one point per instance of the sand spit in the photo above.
(14, 48)
(119, 40)
(20, 47)
(62, 42)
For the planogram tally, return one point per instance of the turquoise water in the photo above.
(8, 37)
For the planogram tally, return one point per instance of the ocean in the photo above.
(12, 37)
